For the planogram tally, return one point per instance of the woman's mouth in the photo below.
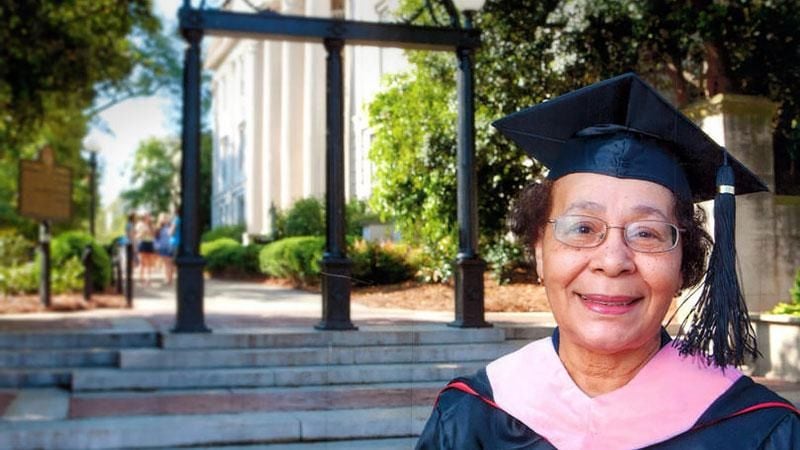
(609, 304)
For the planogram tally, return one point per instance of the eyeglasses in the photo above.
(645, 236)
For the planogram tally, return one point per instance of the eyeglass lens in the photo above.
(648, 236)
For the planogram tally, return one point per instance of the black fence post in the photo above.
(88, 268)
(116, 261)
(129, 274)
(44, 247)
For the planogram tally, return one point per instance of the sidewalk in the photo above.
(237, 305)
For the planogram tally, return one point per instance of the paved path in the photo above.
(235, 304)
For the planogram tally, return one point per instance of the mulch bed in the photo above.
(62, 302)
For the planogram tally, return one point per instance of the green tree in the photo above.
(154, 176)
(533, 50)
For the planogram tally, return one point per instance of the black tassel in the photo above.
(721, 329)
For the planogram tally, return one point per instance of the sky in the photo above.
(131, 122)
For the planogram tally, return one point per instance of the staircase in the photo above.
(280, 389)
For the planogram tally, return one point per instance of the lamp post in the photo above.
(93, 148)
(470, 267)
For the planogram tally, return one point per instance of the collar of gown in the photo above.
(663, 400)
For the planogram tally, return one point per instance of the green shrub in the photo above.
(67, 277)
(794, 291)
(71, 244)
(277, 219)
(383, 263)
(504, 258)
(358, 215)
(14, 248)
(19, 279)
(225, 231)
(296, 258)
(793, 305)
(306, 217)
(228, 258)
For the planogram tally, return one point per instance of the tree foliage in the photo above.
(533, 50)
(60, 64)
(155, 177)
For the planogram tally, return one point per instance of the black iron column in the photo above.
(469, 266)
(336, 266)
(190, 317)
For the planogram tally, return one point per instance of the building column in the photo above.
(271, 131)
(253, 148)
(292, 130)
(313, 147)
(767, 235)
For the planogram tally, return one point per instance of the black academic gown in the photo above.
(464, 421)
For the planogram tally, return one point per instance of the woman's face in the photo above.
(608, 299)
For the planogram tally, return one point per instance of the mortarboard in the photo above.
(624, 128)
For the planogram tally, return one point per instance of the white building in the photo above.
(269, 113)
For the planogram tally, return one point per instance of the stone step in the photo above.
(215, 429)
(95, 404)
(528, 333)
(367, 335)
(304, 356)
(77, 339)
(35, 377)
(56, 358)
(117, 379)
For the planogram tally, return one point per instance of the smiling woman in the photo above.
(615, 238)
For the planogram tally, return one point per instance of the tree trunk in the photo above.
(717, 80)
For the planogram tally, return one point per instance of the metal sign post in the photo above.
(45, 194)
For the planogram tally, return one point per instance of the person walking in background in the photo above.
(164, 246)
(145, 236)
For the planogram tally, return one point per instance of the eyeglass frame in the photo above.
(624, 234)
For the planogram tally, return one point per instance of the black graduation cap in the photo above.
(626, 102)
(623, 128)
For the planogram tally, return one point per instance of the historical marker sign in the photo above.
(45, 189)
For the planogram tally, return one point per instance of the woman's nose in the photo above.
(613, 257)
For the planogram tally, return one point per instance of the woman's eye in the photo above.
(583, 228)
(646, 233)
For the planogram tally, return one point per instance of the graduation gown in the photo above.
(518, 402)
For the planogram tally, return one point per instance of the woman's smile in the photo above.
(609, 304)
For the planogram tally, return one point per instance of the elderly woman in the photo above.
(615, 238)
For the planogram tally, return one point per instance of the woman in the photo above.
(145, 236)
(164, 246)
(615, 239)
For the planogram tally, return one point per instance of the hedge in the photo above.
(233, 232)
(296, 258)
(226, 257)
